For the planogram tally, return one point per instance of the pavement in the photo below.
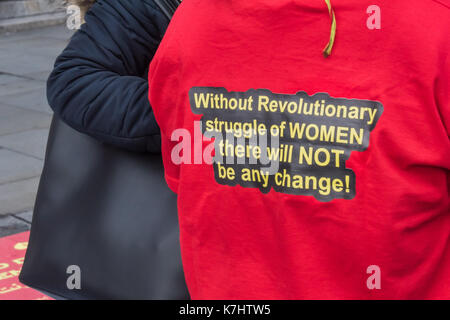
(26, 60)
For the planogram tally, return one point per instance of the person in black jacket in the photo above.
(99, 82)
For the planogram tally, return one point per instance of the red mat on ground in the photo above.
(12, 254)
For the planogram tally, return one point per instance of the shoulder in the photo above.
(143, 16)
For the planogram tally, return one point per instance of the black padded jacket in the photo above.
(99, 82)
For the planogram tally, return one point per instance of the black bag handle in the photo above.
(168, 7)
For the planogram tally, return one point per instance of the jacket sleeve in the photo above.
(99, 82)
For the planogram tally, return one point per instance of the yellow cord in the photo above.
(329, 47)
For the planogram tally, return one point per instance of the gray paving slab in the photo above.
(26, 60)
(38, 76)
(59, 31)
(30, 43)
(47, 47)
(22, 62)
(14, 85)
(10, 225)
(15, 166)
(34, 99)
(31, 143)
(26, 216)
(18, 197)
(13, 119)
(7, 78)
(11, 37)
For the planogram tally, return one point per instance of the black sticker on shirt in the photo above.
(307, 139)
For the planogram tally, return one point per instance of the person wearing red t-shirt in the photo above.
(357, 203)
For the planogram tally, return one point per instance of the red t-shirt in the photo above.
(358, 207)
